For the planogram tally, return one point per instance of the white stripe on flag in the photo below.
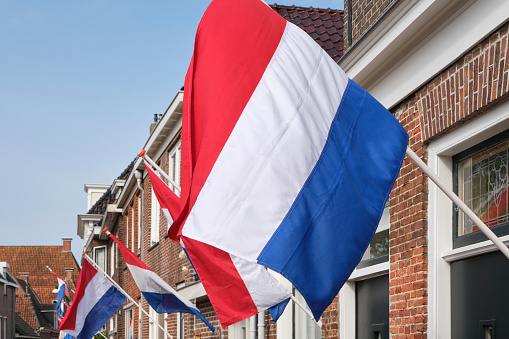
(255, 180)
(94, 291)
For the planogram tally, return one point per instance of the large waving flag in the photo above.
(236, 288)
(286, 162)
(160, 296)
(95, 301)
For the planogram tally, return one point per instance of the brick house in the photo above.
(441, 68)
(35, 300)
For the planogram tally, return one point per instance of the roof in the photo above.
(23, 330)
(33, 260)
(325, 26)
(107, 198)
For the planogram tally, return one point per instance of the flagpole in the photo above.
(124, 292)
(159, 169)
(304, 308)
(461, 205)
(102, 335)
(52, 272)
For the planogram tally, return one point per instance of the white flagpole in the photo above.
(102, 335)
(461, 205)
(124, 292)
(59, 277)
(159, 169)
(308, 312)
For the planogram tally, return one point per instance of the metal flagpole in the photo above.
(159, 169)
(124, 292)
(102, 335)
(461, 205)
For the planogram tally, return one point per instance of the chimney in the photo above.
(68, 274)
(24, 276)
(66, 247)
(3, 268)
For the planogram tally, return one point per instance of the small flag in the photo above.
(160, 296)
(63, 291)
(95, 301)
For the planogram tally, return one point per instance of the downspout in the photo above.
(139, 175)
(252, 327)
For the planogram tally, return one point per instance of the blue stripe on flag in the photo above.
(170, 303)
(328, 228)
(101, 312)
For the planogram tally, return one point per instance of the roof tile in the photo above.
(323, 25)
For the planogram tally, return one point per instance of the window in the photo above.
(139, 223)
(132, 228)
(303, 326)
(129, 324)
(155, 219)
(174, 166)
(378, 249)
(180, 325)
(154, 331)
(481, 181)
(127, 230)
(100, 257)
(112, 258)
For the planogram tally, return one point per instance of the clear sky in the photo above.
(80, 82)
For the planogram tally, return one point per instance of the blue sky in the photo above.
(80, 82)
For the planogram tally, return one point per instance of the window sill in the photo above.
(473, 250)
(369, 272)
(153, 246)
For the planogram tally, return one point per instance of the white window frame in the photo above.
(175, 158)
(112, 258)
(155, 218)
(127, 332)
(105, 256)
(440, 226)
(127, 229)
(139, 223)
(132, 228)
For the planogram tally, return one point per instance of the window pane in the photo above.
(379, 245)
(482, 185)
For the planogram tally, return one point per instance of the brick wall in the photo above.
(364, 14)
(474, 83)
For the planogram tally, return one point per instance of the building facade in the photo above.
(441, 68)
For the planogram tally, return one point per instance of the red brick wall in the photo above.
(364, 14)
(473, 84)
(476, 82)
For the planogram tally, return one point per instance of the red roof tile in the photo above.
(33, 260)
(325, 26)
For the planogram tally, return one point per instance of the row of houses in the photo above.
(28, 290)
(441, 68)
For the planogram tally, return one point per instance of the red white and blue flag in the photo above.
(95, 301)
(286, 162)
(160, 296)
(236, 288)
(63, 291)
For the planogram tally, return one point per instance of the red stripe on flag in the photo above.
(129, 257)
(225, 288)
(166, 197)
(240, 50)
(87, 273)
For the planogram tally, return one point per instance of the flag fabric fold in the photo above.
(236, 288)
(168, 200)
(63, 291)
(95, 301)
(160, 296)
(286, 162)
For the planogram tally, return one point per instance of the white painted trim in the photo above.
(172, 120)
(422, 42)
(472, 250)
(370, 272)
(440, 228)
(192, 291)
